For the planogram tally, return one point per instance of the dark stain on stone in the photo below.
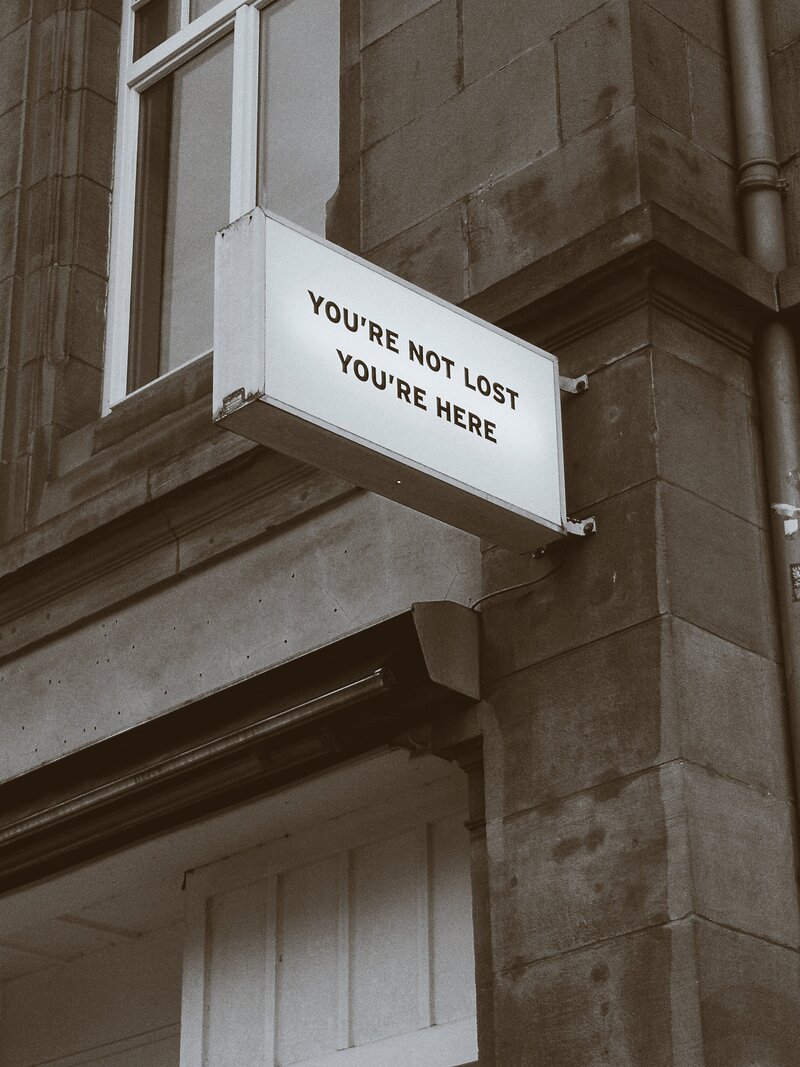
(549, 808)
(600, 972)
(605, 100)
(611, 790)
(570, 845)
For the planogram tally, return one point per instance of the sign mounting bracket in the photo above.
(573, 385)
(581, 527)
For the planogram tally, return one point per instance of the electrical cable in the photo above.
(520, 585)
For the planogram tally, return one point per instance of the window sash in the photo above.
(241, 17)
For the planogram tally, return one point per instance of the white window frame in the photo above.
(241, 17)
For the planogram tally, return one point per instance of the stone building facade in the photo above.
(171, 594)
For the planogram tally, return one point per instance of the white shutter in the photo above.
(346, 945)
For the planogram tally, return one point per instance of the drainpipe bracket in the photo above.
(791, 518)
(762, 172)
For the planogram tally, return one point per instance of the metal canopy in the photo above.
(250, 738)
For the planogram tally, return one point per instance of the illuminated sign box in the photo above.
(329, 359)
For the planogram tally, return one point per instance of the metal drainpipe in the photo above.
(779, 391)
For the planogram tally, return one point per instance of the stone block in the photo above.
(410, 70)
(717, 571)
(34, 307)
(378, 17)
(547, 204)
(496, 31)
(9, 229)
(351, 33)
(703, 19)
(14, 484)
(12, 15)
(185, 429)
(166, 399)
(201, 450)
(11, 124)
(432, 254)
(473, 138)
(85, 243)
(784, 68)
(105, 500)
(711, 101)
(37, 251)
(93, 49)
(13, 67)
(593, 715)
(287, 503)
(594, 82)
(7, 297)
(109, 8)
(782, 23)
(660, 67)
(708, 438)
(748, 991)
(628, 1001)
(742, 856)
(22, 394)
(49, 34)
(687, 180)
(43, 138)
(723, 709)
(4, 401)
(611, 435)
(627, 334)
(591, 866)
(77, 389)
(350, 132)
(604, 584)
(702, 345)
(88, 136)
(87, 317)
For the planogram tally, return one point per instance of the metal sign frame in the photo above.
(242, 401)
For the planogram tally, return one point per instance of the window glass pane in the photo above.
(199, 7)
(183, 188)
(299, 109)
(154, 23)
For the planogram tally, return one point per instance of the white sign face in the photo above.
(439, 397)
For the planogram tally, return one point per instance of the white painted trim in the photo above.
(115, 379)
(424, 1005)
(270, 968)
(240, 305)
(343, 1029)
(183, 45)
(186, 13)
(392, 816)
(244, 118)
(439, 1046)
(193, 989)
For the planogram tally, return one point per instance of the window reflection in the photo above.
(154, 23)
(298, 168)
(199, 7)
(183, 184)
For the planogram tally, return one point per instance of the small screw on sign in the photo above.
(795, 572)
